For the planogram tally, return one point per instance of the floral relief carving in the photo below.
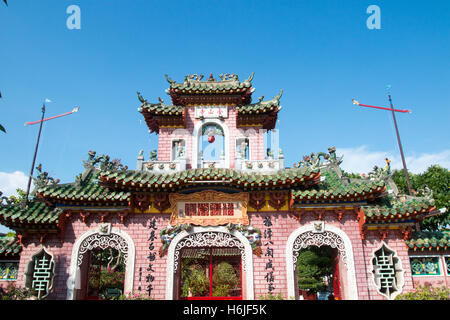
(319, 239)
(98, 240)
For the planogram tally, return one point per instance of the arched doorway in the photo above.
(91, 254)
(212, 142)
(208, 251)
(317, 273)
(319, 234)
(211, 145)
(105, 274)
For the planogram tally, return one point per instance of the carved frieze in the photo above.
(209, 208)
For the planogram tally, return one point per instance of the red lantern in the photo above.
(211, 139)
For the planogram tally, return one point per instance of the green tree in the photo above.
(313, 264)
(351, 175)
(21, 195)
(437, 179)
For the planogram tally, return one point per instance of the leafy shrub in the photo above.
(108, 279)
(135, 296)
(17, 293)
(195, 281)
(270, 296)
(426, 292)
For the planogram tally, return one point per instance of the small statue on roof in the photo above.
(141, 99)
(43, 179)
(387, 168)
(316, 160)
(103, 161)
(197, 77)
(8, 201)
(153, 155)
(332, 157)
(227, 76)
(427, 193)
(377, 173)
(169, 79)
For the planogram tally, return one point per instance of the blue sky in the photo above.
(321, 54)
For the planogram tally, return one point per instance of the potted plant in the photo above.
(195, 282)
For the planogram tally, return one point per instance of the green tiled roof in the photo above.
(86, 189)
(380, 205)
(261, 106)
(95, 193)
(91, 192)
(334, 189)
(9, 246)
(243, 180)
(161, 109)
(393, 207)
(36, 213)
(425, 240)
(209, 85)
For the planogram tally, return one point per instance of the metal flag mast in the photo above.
(38, 138)
(396, 130)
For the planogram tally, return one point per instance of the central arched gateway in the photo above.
(318, 233)
(201, 237)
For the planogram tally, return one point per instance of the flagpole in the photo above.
(396, 130)
(35, 152)
(400, 146)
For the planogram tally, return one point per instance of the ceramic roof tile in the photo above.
(426, 240)
(9, 246)
(194, 84)
(261, 106)
(35, 212)
(398, 207)
(91, 191)
(235, 177)
(335, 189)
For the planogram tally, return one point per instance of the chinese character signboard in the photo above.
(209, 208)
(211, 112)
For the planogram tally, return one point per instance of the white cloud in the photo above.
(422, 162)
(9, 182)
(362, 160)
